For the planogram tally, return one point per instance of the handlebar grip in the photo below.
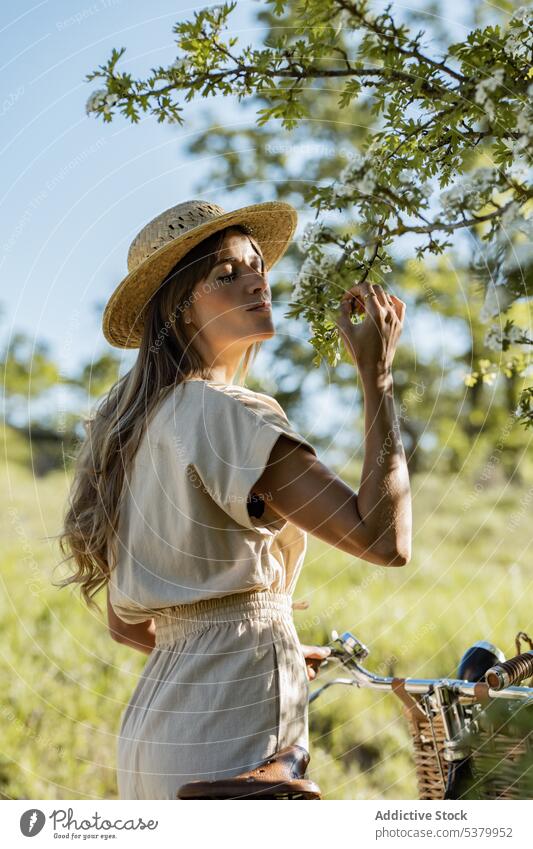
(509, 672)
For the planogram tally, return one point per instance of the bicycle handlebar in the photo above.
(503, 675)
(347, 650)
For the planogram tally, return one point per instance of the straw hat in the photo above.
(167, 238)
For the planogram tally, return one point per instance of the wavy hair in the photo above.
(166, 357)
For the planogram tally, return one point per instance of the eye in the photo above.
(228, 277)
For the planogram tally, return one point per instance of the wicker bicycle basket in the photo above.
(499, 735)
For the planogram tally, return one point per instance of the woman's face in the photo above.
(222, 323)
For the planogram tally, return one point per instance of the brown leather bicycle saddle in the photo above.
(280, 776)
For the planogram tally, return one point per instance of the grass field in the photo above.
(469, 579)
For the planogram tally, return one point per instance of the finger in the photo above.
(399, 307)
(343, 319)
(357, 290)
(380, 294)
(390, 305)
(313, 667)
(392, 302)
(316, 651)
(363, 298)
(391, 309)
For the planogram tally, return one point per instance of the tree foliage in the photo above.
(449, 151)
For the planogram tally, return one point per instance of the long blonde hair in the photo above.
(113, 434)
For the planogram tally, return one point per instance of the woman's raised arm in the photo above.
(375, 523)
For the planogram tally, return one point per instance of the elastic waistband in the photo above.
(183, 619)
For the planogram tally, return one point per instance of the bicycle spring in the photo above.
(510, 671)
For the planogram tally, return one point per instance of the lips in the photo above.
(264, 306)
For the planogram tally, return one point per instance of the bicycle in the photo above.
(469, 738)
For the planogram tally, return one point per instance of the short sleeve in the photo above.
(235, 436)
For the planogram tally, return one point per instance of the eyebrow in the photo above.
(224, 261)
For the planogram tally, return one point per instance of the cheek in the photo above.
(219, 304)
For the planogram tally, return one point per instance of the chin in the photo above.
(264, 329)
(253, 338)
(266, 334)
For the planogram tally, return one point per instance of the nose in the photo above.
(258, 284)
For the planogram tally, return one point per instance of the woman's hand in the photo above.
(372, 343)
(140, 636)
(314, 655)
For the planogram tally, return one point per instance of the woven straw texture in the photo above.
(168, 237)
(499, 759)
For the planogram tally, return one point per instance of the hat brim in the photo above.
(273, 224)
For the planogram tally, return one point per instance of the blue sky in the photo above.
(78, 190)
(75, 191)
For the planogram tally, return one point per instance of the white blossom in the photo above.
(178, 65)
(96, 100)
(522, 14)
(521, 23)
(493, 339)
(513, 145)
(490, 306)
(496, 336)
(357, 175)
(516, 47)
(353, 168)
(367, 185)
(343, 191)
(497, 299)
(310, 235)
(312, 268)
(303, 277)
(518, 256)
(507, 219)
(523, 122)
(407, 175)
(297, 290)
(456, 193)
(486, 86)
(110, 101)
(308, 267)
(514, 334)
(519, 170)
(326, 264)
(470, 191)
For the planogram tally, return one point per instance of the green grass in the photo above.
(68, 681)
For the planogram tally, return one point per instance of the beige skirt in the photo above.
(225, 687)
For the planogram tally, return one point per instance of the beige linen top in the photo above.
(184, 532)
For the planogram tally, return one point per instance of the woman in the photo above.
(192, 497)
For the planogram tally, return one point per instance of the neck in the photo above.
(223, 374)
(224, 371)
